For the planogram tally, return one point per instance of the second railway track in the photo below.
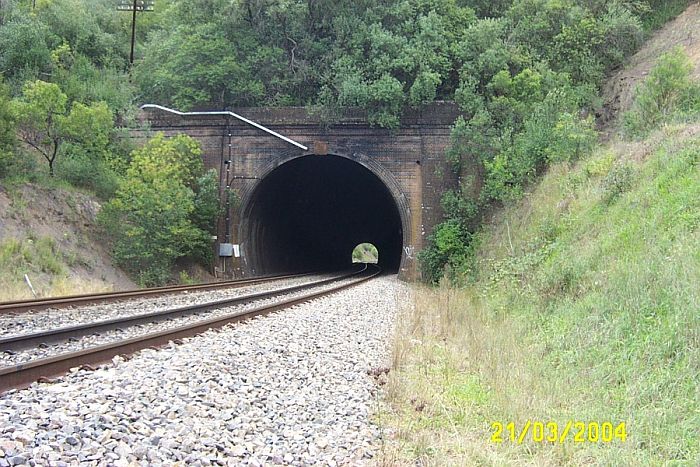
(25, 372)
(19, 306)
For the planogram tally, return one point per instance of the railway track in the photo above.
(23, 374)
(20, 306)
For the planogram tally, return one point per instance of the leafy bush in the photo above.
(449, 252)
(618, 181)
(46, 124)
(599, 166)
(81, 170)
(153, 218)
(667, 93)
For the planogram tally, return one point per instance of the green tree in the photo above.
(90, 127)
(45, 123)
(7, 131)
(667, 90)
(41, 113)
(162, 209)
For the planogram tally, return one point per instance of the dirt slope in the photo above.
(683, 31)
(31, 215)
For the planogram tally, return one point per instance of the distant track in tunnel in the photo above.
(24, 374)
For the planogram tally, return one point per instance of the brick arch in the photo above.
(377, 169)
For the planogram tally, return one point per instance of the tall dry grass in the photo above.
(586, 308)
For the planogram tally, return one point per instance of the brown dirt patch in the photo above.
(69, 218)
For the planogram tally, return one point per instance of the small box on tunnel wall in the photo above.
(226, 249)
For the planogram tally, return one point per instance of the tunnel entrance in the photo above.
(365, 253)
(311, 212)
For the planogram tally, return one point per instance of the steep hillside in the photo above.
(683, 31)
(50, 234)
(586, 308)
(582, 306)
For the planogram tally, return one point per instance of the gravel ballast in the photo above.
(12, 324)
(288, 388)
(127, 331)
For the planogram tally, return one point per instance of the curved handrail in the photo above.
(231, 114)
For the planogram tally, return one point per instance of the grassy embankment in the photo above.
(49, 267)
(586, 307)
(39, 258)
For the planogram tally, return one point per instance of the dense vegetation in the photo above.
(583, 305)
(165, 209)
(67, 95)
(524, 72)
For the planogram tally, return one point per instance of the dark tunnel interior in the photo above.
(311, 212)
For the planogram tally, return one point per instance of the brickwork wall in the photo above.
(409, 160)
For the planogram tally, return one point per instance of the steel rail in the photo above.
(91, 299)
(24, 374)
(24, 341)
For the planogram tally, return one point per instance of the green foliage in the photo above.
(89, 127)
(667, 93)
(80, 169)
(207, 210)
(572, 137)
(449, 252)
(152, 218)
(618, 181)
(45, 123)
(599, 166)
(206, 201)
(24, 52)
(490, 8)
(40, 114)
(81, 46)
(527, 85)
(458, 205)
(381, 56)
(7, 132)
(216, 72)
(378, 56)
(85, 82)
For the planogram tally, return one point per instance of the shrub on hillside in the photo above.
(666, 94)
(80, 170)
(448, 253)
(618, 181)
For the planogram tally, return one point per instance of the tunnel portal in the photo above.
(310, 213)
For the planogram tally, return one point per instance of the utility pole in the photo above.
(134, 6)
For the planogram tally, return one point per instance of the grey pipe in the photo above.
(234, 115)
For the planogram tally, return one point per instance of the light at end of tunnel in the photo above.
(365, 253)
